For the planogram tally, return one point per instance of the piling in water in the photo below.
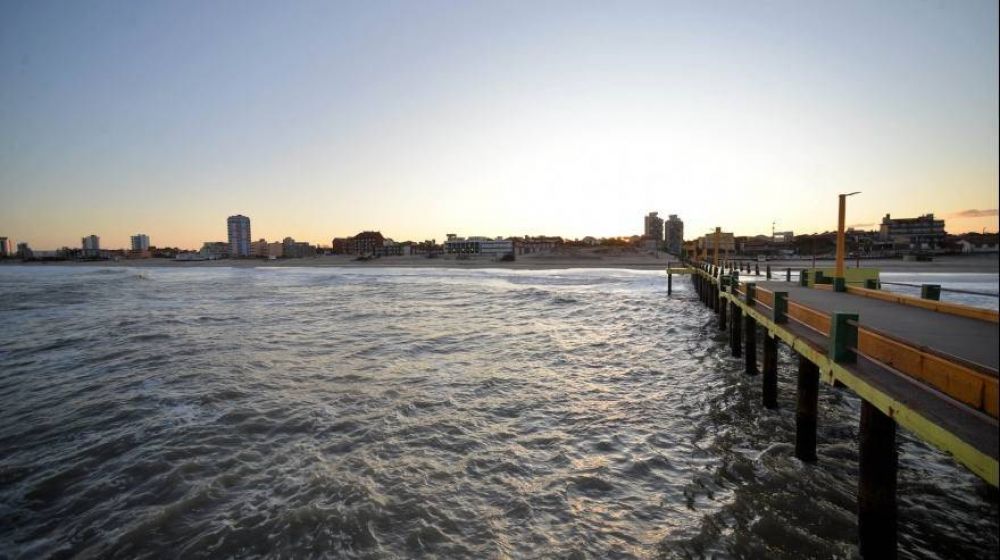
(770, 392)
(877, 484)
(805, 412)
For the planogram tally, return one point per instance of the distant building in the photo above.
(91, 246)
(978, 243)
(653, 227)
(537, 244)
(140, 242)
(23, 251)
(674, 234)
(239, 235)
(923, 232)
(140, 247)
(366, 243)
(293, 249)
(783, 237)
(212, 250)
(478, 245)
(258, 248)
(704, 246)
(6, 247)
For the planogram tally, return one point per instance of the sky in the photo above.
(418, 119)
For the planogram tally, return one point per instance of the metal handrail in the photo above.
(943, 289)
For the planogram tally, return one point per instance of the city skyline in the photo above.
(566, 119)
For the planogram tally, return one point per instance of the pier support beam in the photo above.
(723, 304)
(877, 484)
(750, 355)
(805, 412)
(770, 385)
(737, 323)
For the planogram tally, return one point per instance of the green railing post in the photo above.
(843, 337)
(780, 307)
(803, 278)
(751, 294)
(871, 284)
(930, 291)
(839, 284)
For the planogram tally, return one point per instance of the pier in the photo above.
(926, 366)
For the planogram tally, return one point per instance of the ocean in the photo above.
(398, 413)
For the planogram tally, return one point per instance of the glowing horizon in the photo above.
(323, 120)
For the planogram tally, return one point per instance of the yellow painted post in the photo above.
(839, 273)
(839, 283)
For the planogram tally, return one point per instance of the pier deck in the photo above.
(934, 372)
(972, 340)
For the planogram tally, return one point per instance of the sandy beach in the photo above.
(575, 258)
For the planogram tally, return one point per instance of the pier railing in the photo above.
(973, 384)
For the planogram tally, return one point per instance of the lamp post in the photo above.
(839, 283)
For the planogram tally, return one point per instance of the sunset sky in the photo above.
(421, 118)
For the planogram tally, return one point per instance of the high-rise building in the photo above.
(239, 236)
(91, 246)
(653, 227)
(140, 242)
(675, 235)
(6, 247)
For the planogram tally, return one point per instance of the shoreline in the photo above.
(984, 263)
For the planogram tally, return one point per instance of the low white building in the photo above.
(478, 245)
(970, 247)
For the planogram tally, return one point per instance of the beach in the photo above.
(566, 259)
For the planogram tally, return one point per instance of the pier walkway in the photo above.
(973, 340)
(920, 364)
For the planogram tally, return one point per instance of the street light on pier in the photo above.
(839, 282)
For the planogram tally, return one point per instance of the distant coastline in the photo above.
(983, 263)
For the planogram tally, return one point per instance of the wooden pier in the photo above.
(926, 366)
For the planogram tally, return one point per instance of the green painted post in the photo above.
(843, 337)
(803, 278)
(751, 293)
(871, 284)
(839, 284)
(930, 291)
(818, 277)
(780, 307)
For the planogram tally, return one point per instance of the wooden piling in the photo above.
(806, 410)
(788, 275)
(768, 272)
(750, 335)
(670, 282)
(722, 314)
(737, 322)
(877, 484)
(770, 383)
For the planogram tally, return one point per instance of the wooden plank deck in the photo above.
(969, 339)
